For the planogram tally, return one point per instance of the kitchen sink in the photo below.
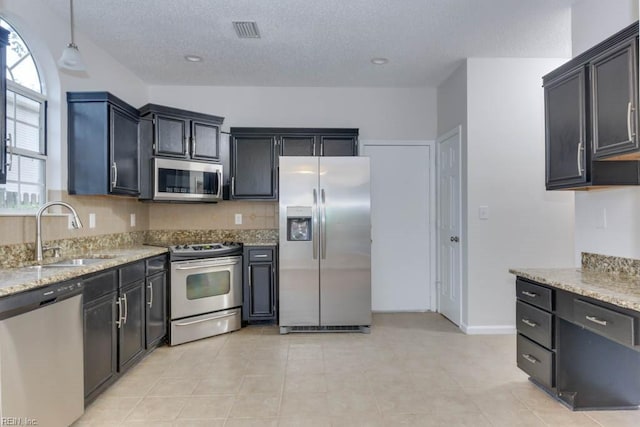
(74, 262)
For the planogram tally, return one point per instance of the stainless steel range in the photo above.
(206, 290)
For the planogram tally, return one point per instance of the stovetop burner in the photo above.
(204, 250)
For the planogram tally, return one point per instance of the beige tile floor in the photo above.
(413, 369)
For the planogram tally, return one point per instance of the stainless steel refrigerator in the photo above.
(325, 244)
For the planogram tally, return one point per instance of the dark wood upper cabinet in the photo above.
(103, 145)
(565, 118)
(338, 145)
(614, 102)
(182, 134)
(253, 164)
(255, 153)
(171, 136)
(4, 40)
(591, 116)
(297, 145)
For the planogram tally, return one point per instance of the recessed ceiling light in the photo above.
(379, 61)
(193, 58)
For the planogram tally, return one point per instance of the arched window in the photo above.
(25, 189)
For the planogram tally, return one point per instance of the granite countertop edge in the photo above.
(620, 290)
(20, 279)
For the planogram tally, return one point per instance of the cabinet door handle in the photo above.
(580, 150)
(529, 294)
(250, 276)
(150, 287)
(126, 308)
(596, 320)
(529, 358)
(529, 323)
(233, 186)
(114, 167)
(119, 321)
(630, 132)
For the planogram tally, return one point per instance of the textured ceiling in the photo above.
(318, 42)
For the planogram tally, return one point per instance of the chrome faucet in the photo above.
(75, 223)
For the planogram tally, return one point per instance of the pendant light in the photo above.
(71, 59)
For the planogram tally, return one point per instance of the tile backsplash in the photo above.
(113, 216)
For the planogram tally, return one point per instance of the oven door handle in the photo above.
(194, 267)
(205, 320)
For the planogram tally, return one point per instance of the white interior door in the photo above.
(402, 278)
(449, 226)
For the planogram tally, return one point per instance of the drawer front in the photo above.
(534, 294)
(536, 324)
(131, 273)
(536, 361)
(608, 323)
(156, 264)
(99, 284)
(260, 255)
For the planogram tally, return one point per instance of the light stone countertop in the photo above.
(15, 280)
(620, 290)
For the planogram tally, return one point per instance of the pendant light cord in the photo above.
(71, 21)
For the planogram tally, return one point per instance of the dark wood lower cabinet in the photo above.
(131, 338)
(156, 309)
(260, 284)
(100, 344)
(124, 319)
(585, 352)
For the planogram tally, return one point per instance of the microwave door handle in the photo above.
(219, 184)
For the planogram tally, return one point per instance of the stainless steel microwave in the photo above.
(186, 181)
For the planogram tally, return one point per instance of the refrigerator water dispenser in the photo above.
(299, 223)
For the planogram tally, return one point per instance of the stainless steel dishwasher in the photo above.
(41, 356)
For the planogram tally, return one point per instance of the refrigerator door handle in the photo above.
(323, 225)
(314, 231)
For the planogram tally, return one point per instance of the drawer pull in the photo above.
(260, 256)
(529, 323)
(529, 358)
(596, 320)
(529, 294)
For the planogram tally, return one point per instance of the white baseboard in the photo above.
(488, 329)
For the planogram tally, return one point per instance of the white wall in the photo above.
(379, 113)
(47, 34)
(527, 226)
(592, 22)
(452, 112)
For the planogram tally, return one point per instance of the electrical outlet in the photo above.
(92, 220)
(238, 219)
(132, 220)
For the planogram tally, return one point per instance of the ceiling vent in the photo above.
(246, 29)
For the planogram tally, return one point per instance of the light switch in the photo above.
(132, 220)
(483, 212)
(238, 218)
(92, 220)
